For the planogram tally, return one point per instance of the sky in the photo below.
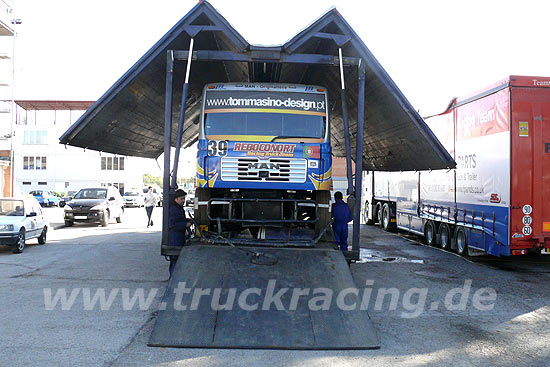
(433, 50)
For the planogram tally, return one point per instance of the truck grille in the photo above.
(271, 170)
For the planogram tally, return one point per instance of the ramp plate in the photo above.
(269, 326)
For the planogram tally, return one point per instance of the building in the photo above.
(41, 163)
(7, 43)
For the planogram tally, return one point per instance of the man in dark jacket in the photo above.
(342, 216)
(177, 224)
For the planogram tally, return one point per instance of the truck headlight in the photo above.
(6, 227)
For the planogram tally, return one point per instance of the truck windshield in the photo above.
(262, 113)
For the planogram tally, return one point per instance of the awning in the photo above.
(129, 118)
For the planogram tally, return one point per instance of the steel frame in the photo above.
(268, 56)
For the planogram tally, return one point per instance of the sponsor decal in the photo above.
(266, 149)
(541, 83)
(517, 235)
(495, 198)
(311, 151)
(523, 128)
(313, 164)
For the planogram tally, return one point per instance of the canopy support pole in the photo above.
(346, 124)
(359, 158)
(181, 121)
(167, 140)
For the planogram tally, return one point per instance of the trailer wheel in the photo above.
(386, 223)
(378, 214)
(366, 210)
(429, 233)
(460, 241)
(445, 236)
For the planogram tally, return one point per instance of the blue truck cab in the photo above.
(264, 156)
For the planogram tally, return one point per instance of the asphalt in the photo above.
(515, 332)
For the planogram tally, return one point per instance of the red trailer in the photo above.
(497, 200)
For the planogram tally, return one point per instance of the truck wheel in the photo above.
(42, 238)
(20, 244)
(378, 214)
(366, 211)
(429, 233)
(201, 215)
(387, 224)
(68, 223)
(105, 220)
(119, 218)
(460, 241)
(445, 236)
(322, 197)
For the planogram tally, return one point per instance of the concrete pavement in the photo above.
(127, 256)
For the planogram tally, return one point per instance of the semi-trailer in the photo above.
(496, 200)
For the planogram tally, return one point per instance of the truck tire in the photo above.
(68, 223)
(460, 241)
(201, 213)
(386, 223)
(378, 214)
(366, 210)
(444, 236)
(429, 233)
(323, 214)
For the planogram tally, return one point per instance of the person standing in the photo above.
(177, 225)
(150, 202)
(342, 216)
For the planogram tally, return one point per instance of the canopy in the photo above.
(129, 118)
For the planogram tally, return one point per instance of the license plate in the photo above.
(80, 217)
(545, 251)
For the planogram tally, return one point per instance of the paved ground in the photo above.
(86, 258)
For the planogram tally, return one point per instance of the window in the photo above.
(31, 163)
(26, 182)
(112, 163)
(66, 184)
(35, 137)
(42, 183)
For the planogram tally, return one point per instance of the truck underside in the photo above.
(271, 217)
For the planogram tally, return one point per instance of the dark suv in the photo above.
(95, 204)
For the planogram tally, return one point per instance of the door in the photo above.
(530, 217)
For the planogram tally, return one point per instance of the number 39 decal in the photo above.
(217, 147)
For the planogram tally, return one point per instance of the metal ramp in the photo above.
(226, 268)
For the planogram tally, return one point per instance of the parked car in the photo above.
(67, 197)
(190, 198)
(21, 220)
(45, 198)
(95, 204)
(133, 198)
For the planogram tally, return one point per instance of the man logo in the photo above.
(263, 166)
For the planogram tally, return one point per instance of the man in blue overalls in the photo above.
(177, 224)
(342, 216)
